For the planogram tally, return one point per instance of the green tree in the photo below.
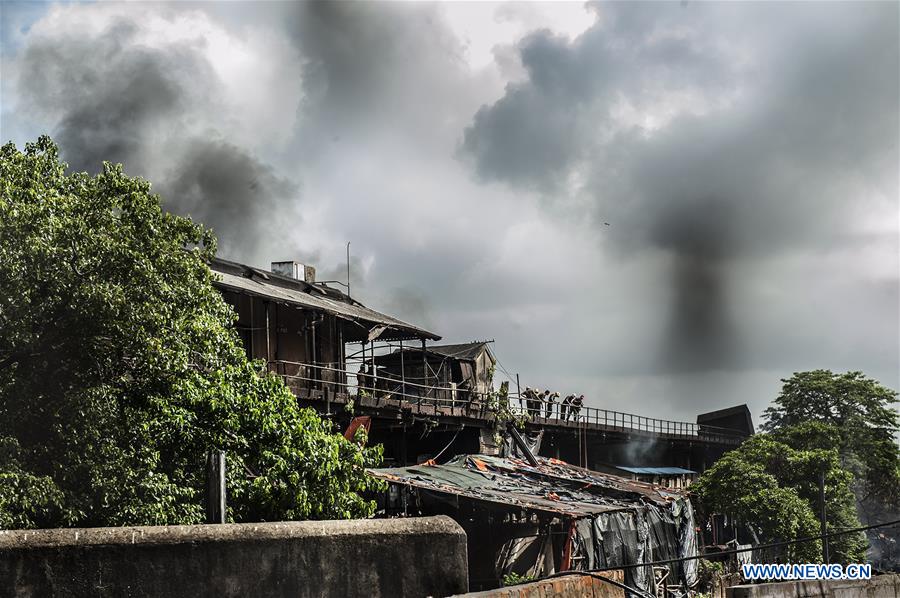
(119, 368)
(856, 417)
(773, 487)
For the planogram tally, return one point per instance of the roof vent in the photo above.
(295, 270)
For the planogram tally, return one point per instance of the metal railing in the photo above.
(433, 399)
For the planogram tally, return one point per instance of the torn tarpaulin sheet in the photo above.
(687, 539)
(532, 440)
(642, 535)
(525, 557)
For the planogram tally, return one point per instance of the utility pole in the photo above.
(822, 517)
(348, 268)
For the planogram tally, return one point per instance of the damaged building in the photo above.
(308, 332)
(423, 399)
(465, 370)
(536, 517)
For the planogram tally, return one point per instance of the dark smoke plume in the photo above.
(700, 333)
(770, 162)
(109, 94)
(242, 199)
(114, 99)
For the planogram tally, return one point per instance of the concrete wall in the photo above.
(882, 586)
(721, 583)
(414, 557)
(566, 586)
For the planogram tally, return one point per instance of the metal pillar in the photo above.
(215, 487)
(424, 369)
(402, 373)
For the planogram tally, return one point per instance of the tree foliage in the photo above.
(119, 368)
(840, 424)
(854, 415)
(771, 484)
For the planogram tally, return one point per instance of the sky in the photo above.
(668, 207)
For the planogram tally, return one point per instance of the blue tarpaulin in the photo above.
(655, 470)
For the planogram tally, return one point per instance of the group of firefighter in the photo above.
(543, 404)
(536, 402)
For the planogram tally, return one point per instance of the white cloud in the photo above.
(348, 121)
(483, 27)
(258, 83)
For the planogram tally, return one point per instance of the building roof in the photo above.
(468, 351)
(462, 352)
(553, 486)
(728, 417)
(655, 470)
(741, 409)
(316, 297)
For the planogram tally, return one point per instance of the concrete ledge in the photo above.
(175, 534)
(566, 586)
(881, 586)
(373, 557)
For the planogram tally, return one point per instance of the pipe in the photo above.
(520, 442)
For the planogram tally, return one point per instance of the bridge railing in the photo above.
(453, 400)
(555, 410)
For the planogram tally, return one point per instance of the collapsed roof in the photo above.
(616, 522)
(553, 486)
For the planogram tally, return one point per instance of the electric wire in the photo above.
(752, 548)
(505, 371)
(438, 456)
(595, 572)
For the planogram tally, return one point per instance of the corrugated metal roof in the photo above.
(461, 351)
(233, 277)
(468, 351)
(655, 470)
(552, 486)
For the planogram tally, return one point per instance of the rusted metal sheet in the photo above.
(568, 586)
(362, 421)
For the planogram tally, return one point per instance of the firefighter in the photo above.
(525, 399)
(577, 402)
(565, 406)
(551, 402)
(532, 402)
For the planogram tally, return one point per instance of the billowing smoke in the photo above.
(700, 332)
(699, 156)
(353, 53)
(109, 94)
(744, 156)
(243, 200)
(699, 235)
(638, 453)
